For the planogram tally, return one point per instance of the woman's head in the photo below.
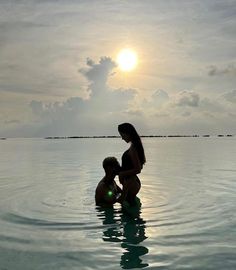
(129, 134)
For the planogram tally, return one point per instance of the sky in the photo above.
(59, 74)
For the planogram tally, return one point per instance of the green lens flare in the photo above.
(110, 193)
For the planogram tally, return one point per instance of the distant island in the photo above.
(143, 136)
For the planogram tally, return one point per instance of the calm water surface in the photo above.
(48, 219)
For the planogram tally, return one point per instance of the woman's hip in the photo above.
(132, 180)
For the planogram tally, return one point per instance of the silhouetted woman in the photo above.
(133, 160)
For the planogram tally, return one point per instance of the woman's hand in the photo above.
(125, 188)
(121, 177)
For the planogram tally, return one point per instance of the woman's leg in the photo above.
(131, 187)
(133, 190)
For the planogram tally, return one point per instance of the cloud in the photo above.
(43, 44)
(157, 100)
(167, 109)
(65, 118)
(134, 112)
(213, 106)
(159, 97)
(187, 98)
(102, 97)
(71, 107)
(230, 96)
(103, 107)
(99, 73)
(186, 114)
(228, 70)
(179, 108)
(37, 107)
(14, 121)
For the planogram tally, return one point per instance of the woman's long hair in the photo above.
(130, 130)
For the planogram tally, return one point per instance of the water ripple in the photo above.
(187, 219)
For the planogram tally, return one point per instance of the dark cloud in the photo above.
(187, 98)
(14, 121)
(230, 96)
(18, 25)
(186, 114)
(216, 71)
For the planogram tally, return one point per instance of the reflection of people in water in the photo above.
(107, 190)
(108, 215)
(133, 235)
(128, 231)
(133, 160)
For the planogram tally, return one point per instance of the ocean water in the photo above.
(48, 218)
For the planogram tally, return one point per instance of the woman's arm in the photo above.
(119, 190)
(124, 193)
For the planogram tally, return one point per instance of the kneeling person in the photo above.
(107, 190)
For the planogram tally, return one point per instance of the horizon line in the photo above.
(117, 136)
(142, 136)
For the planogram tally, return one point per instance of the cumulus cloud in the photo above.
(102, 97)
(71, 106)
(157, 100)
(98, 74)
(181, 104)
(104, 105)
(216, 71)
(179, 108)
(187, 98)
(159, 97)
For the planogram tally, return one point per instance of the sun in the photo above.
(127, 60)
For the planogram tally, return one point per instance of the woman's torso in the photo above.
(127, 164)
(126, 161)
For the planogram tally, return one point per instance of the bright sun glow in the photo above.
(127, 60)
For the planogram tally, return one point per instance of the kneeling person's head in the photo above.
(111, 165)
